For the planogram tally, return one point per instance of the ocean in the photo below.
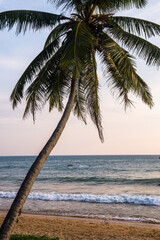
(105, 187)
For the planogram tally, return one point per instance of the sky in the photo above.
(136, 131)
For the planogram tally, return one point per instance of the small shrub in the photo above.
(24, 237)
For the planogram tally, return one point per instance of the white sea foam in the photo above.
(135, 219)
(128, 219)
(151, 200)
(83, 166)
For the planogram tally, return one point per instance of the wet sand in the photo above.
(71, 228)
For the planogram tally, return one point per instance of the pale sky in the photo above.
(136, 131)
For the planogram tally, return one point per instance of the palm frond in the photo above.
(102, 5)
(112, 6)
(118, 82)
(79, 101)
(27, 20)
(144, 92)
(69, 4)
(31, 72)
(79, 43)
(57, 88)
(44, 64)
(127, 4)
(50, 85)
(91, 92)
(135, 44)
(34, 99)
(123, 76)
(58, 32)
(138, 26)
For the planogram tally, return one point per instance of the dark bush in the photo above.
(24, 237)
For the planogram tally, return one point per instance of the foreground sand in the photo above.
(86, 229)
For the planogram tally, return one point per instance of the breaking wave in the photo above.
(150, 200)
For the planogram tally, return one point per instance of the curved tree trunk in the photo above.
(17, 205)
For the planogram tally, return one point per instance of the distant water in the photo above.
(109, 187)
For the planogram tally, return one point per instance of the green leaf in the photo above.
(27, 20)
(102, 5)
(78, 46)
(51, 84)
(79, 101)
(93, 99)
(91, 86)
(68, 4)
(124, 79)
(138, 26)
(135, 44)
(31, 72)
(58, 32)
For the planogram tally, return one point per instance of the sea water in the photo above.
(108, 187)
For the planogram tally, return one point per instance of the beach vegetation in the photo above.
(28, 237)
(64, 73)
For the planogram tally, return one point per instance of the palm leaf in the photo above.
(69, 4)
(123, 76)
(119, 4)
(28, 19)
(39, 92)
(79, 43)
(35, 99)
(135, 44)
(51, 85)
(118, 82)
(131, 3)
(44, 62)
(58, 32)
(57, 89)
(111, 6)
(79, 101)
(143, 92)
(30, 73)
(102, 5)
(138, 26)
(91, 92)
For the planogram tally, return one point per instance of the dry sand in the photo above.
(86, 229)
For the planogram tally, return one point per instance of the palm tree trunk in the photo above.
(17, 205)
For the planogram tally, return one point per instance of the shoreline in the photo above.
(85, 219)
(69, 228)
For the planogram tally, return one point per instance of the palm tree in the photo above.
(67, 68)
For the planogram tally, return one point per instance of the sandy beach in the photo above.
(68, 228)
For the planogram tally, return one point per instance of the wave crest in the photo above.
(150, 200)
